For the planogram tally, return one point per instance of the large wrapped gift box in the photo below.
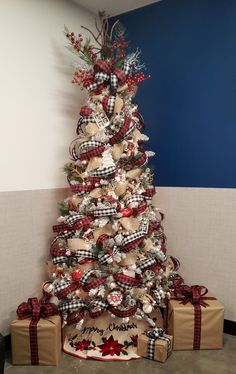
(48, 341)
(158, 348)
(196, 323)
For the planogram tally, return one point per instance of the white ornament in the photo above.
(147, 308)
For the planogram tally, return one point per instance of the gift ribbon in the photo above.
(156, 334)
(195, 296)
(35, 309)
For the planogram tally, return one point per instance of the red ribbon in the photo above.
(195, 296)
(35, 309)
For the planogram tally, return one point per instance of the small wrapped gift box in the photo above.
(195, 319)
(36, 341)
(155, 345)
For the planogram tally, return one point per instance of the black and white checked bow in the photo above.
(103, 172)
(72, 305)
(155, 334)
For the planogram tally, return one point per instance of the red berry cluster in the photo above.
(119, 46)
(83, 78)
(136, 79)
(76, 42)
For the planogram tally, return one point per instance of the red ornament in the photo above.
(76, 275)
(126, 212)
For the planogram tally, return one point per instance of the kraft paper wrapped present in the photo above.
(155, 345)
(195, 319)
(36, 341)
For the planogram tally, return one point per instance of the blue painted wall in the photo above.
(189, 105)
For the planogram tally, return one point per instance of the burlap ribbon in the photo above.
(194, 295)
(35, 309)
(155, 334)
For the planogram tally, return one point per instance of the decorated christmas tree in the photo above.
(109, 272)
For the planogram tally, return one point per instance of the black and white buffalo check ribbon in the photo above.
(145, 264)
(86, 276)
(60, 260)
(86, 120)
(109, 211)
(71, 306)
(134, 199)
(104, 258)
(126, 67)
(128, 239)
(130, 130)
(104, 172)
(74, 218)
(84, 253)
(155, 334)
(90, 144)
(63, 235)
(97, 305)
(61, 286)
(110, 104)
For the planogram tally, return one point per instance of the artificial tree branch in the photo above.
(113, 26)
(85, 28)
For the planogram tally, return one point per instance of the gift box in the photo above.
(195, 319)
(155, 345)
(36, 341)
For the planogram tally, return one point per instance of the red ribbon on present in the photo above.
(195, 296)
(35, 309)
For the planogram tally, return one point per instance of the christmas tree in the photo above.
(109, 271)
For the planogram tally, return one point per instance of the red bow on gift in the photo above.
(192, 294)
(35, 309)
(195, 296)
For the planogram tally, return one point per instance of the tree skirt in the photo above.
(106, 338)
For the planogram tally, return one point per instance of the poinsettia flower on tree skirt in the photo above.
(81, 345)
(111, 347)
(134, 339)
